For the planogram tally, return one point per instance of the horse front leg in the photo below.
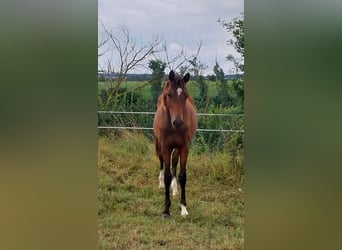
(175, 157)
(182, 178)
(161, 161)
(167, 181)
(161, 173)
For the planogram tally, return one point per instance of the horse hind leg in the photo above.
(175, 157)
(166, 153)
(182, 179)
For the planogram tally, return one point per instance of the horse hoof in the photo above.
(165, 216)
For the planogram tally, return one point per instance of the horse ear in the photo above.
(186, 77)
(171, 75)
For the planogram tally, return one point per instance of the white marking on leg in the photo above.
(174, 186)
(161, 179)
(184, 212)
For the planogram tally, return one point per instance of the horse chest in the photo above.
(175, 140)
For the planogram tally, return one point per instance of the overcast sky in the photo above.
(181, 23)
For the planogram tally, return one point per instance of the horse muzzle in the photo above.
(177, 124)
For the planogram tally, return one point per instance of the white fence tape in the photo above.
(152, 113)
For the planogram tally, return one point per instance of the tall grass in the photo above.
(130, 203)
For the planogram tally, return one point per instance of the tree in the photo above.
(223, 96)
(236, 62)
(237, 28)
(100, 46)
(218, 71)
(158, 68)
(127, 54)
(203, 91)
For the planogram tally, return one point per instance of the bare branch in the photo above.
(181, 60)
(100, 45)
(127, 54)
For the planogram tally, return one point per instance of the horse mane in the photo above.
(161, 102)
(191, 100)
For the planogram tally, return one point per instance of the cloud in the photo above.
(174, 48)
(181, 23)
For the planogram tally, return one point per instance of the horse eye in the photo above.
(169, 94)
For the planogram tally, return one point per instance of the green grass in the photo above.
(130, 202)
(146, 92)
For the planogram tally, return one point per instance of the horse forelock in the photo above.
(177, 84)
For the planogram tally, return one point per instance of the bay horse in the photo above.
(175, 124)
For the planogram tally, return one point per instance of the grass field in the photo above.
(146, 92)
(130, 202)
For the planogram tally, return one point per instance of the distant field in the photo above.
(130, 202)
(146, 92)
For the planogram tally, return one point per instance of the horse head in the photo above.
(175, 95)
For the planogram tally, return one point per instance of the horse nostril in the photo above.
(177, 124)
